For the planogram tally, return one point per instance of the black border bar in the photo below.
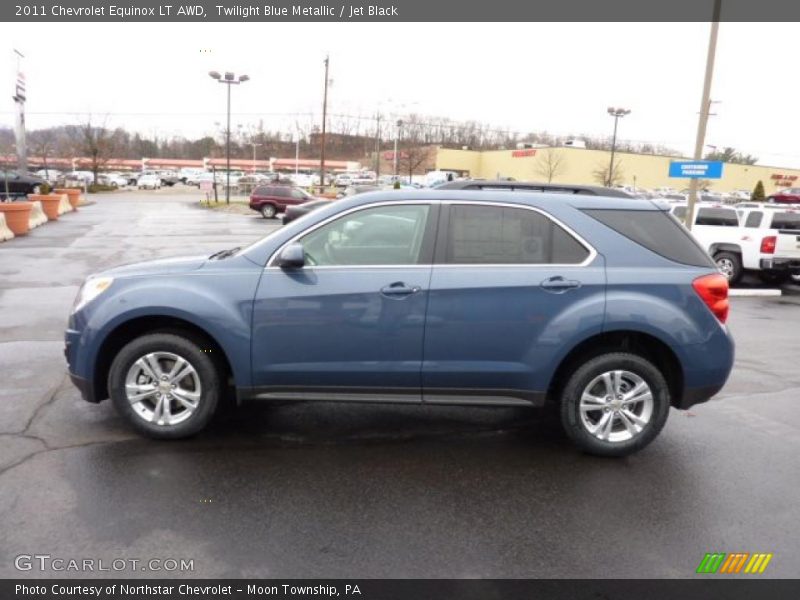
(709, 587)
(397, 11)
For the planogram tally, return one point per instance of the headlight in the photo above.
(91, 289)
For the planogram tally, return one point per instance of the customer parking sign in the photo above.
(696, 169)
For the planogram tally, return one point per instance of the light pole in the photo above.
(229, 79)
(616, 113)
(254, 145)
(397, 134)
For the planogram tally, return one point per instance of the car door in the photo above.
(510, 290)
(349, 324)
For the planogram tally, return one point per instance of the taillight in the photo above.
(768, 244)
(713, 290)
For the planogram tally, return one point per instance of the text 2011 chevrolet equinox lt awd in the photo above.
(604, 307)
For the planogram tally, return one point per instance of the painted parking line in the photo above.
(753, 292)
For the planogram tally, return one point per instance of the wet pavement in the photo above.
(337, 490)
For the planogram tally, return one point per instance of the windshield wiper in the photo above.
(224, 253)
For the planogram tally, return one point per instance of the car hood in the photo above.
(164, 266)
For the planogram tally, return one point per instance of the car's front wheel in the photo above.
(615, 404)
(166, 385)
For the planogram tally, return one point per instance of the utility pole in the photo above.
(705, 106)
(397, 133)
(229, 79)
(19, 99)
(324, 119)
(377, 145)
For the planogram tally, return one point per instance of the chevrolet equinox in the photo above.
(605, 308)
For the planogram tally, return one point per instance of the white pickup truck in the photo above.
(749, 236)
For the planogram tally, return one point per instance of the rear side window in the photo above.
(753, 219)
(658, 232)
(261, 191)
(786, 221)
(502, 236)
(721, 217)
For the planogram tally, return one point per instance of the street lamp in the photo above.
(229, 79)
(616, 113)
(397, 134)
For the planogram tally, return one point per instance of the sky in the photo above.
(555, 77)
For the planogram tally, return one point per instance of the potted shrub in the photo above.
(74, 195)
(17, 216)
(49, 202)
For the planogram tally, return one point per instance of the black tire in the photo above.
(732, 263)
(268, 211)
(774, 277)
(190, 350)
(582, 377)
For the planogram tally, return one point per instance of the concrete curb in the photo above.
(744, 293)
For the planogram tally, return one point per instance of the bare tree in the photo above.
(601, 175)
(550, 164)
(43, 143)
(97, 143)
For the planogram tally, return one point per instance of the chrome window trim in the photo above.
(589, 259)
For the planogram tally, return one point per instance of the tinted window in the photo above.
(723, 217)
(753, 219)
(261, 191)
(495, 235)
(658, 232)
(280, 191)
(297, 194)
(786, 221)
(385, 235)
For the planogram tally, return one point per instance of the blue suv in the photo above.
(603, 307)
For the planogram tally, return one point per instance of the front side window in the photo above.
(500, 235)
(383, 235)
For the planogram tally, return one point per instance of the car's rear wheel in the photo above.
(615, 404)
(268, 211)
(165, 385)
(730, 265)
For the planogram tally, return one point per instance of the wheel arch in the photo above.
(125, 332)
(640, 343)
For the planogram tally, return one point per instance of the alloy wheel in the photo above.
(163, 388)
(616, 406)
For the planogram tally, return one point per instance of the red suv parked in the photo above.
(787, 196)
(274, 198)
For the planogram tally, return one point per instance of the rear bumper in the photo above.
(780, 264)
(706, 368)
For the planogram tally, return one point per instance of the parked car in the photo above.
(352, 190)
(604, 307)
(14, 184)
(785, 196)
(112, 179)
(295, 211)
(149, 182)
(527, 186)
(745, 238)
(168, 178)
(49, 175)
(187, 175)
(271, 199)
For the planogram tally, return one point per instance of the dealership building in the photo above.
(581, 166)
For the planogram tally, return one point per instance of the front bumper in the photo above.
(84, 385)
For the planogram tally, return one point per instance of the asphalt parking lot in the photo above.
(318, 490)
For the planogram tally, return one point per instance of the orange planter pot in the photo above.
(49, 202)
(17, 215)
(73, 194)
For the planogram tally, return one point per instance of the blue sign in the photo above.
(696, 169)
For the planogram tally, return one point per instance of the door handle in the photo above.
(398, 289)
(559, 285)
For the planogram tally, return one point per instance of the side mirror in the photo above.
(292, 257)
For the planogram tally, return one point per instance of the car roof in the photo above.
(481, 184)
(538, 199)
